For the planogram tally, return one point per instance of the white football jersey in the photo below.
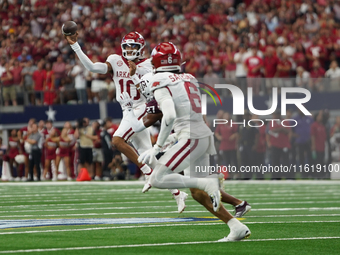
(122, 80)
(186, 95)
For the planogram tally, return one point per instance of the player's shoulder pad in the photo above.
(144, 61)
(113, 57)
(144, 66)
(160, 80)
(170, 79)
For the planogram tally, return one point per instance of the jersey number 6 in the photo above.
(194, 96)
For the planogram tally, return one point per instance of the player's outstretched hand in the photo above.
(132, 67)
(71, 39)
(147, 157)
(126, 100)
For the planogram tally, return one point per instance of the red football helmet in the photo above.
(166, 57)
(136, 41)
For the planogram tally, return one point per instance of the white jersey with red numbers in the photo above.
(187, 100)
(121, 77)
(122, 80)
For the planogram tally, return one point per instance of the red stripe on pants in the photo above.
(177, 153)
(185, 155)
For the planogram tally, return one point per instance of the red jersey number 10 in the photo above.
(127, 87)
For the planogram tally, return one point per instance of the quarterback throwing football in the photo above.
(132, 48)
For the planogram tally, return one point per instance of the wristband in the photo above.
(135, 79)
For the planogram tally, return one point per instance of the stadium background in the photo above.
(286, 34)
(287, 217)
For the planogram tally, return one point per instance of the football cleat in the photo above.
(241, 210)
(146, 187)
(213, 189)
(180, 200)
(147, 184)
(237, 234)
(215, 198)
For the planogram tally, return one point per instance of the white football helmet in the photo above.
(145, 86)
(135, 41)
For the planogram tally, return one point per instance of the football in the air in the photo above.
(69, 28)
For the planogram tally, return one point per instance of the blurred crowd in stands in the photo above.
(36, 151)
(307, 149)
(288, 42)
(39, 151)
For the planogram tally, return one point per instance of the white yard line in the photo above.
(107, 193)
(296, 200)
(151, 206)
(131, 192)
(76, 199)
(81, 204)
(107, 197)
(162, 244)
(80, 189)
(290, 215)
(104, 228)
(94, 214)
(127, 183)
(157, 225)
(133, 213)
(98, 208)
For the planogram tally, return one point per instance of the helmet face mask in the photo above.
(132, 51)
(133, 46)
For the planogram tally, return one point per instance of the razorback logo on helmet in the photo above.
(166, 57)
(133, 45)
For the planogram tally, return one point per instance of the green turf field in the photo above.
(295, 217)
